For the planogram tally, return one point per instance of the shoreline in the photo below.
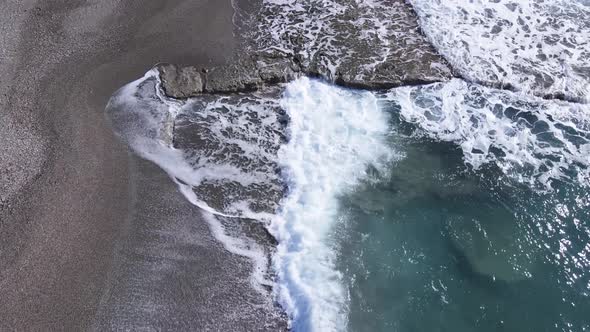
(171, 273)
(62, 227)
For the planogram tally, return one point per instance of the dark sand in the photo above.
(90, 236)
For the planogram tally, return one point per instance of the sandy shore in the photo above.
(90, 236)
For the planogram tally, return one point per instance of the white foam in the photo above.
(537, 46)
(533, 140)
(334, 135)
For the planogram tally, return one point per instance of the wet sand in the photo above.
(91, 236)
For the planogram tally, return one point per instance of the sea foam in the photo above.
(536, 46)
(334, 134)
(530, 139)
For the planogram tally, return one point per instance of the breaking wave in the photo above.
(533, 140)
(335, 134)
(283, 157)
(536, 46)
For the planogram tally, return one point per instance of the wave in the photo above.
(533, 140)
(145, 119)
(535, 46)
(334, 135)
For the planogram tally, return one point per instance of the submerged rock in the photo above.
(360, 44)
(533, 47)
(232, 142)
(492, 243)
(366, 45)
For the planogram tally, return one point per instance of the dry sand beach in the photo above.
(92, 237)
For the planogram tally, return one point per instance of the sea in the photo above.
(460, 205)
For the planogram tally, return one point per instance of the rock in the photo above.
(238, 77)
(491, 242)
(239, 135)
(387, 50)
(393, 73)
(244, 75)
(180, 82)
(368, 45)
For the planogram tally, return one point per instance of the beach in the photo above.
(303, 165)
(82, 219)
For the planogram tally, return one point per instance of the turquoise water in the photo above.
(432, 244)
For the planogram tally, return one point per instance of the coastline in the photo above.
(65, 219)
(172, 274)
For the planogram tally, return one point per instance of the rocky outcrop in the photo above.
(354, 44)
(244, 75)
(361, 44)
(181, 81)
